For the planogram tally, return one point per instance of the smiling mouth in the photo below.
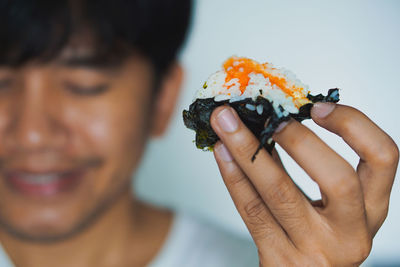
(44, 184)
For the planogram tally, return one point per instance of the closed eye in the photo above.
(86, 90)
(5, 83)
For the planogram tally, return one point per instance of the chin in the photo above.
(42, 224)
(52, 222)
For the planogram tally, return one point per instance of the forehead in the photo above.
(83, 50)
(82, 44)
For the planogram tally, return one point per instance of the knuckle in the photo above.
(282, 192)
(346, 184)
(344, 189)
(235, 179)
(387, 155)
(318, 259)
(285, 204)
(246, 146)
(357, 246)
(346, 126)
(361, 252)
(378, 215)
(378, 208)
(384, 214)
(255, 208)
(259, 222)
(300, 139)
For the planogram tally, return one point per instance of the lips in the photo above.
(44, 184)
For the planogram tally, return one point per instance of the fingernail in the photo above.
(322, 110)
(224, 153)
(281, 126)
(227, 120)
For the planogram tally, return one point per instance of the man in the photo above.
(84, 84)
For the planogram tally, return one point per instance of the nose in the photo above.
(34, 125)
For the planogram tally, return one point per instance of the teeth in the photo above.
(39, 178)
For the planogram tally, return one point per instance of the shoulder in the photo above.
(198, 243)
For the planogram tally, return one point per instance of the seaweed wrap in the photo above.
(262, 95)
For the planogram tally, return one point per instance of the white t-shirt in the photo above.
(191, 243)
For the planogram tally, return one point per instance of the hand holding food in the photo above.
(287, 228)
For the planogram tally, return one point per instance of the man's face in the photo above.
(71, 133)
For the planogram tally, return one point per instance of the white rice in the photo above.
(260, 109)
(258, 86)
(250, 107)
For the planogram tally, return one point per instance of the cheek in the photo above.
(98, 131)
(4, 121)
(114, 132)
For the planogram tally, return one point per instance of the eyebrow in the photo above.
(90, 62)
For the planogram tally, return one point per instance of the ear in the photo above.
(167, 97)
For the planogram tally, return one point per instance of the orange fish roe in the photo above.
(240, 68)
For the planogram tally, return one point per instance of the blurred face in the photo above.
(71, 133)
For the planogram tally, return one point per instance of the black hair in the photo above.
(40, 29)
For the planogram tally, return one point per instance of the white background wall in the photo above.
(353, 45)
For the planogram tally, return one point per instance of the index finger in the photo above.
(286, 203)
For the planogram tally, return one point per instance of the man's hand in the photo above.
(287, 228)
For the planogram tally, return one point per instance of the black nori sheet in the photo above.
(263, 126)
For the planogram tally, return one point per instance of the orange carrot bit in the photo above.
(240, 68)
